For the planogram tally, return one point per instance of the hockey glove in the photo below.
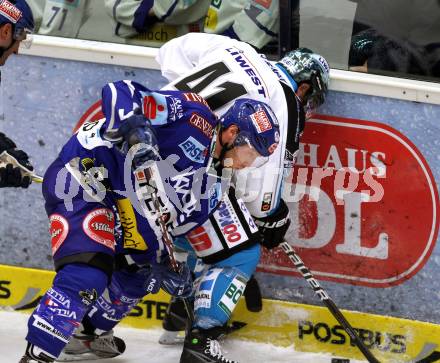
(178, 284)
(137, 130)
(274, 227)
(11, 176)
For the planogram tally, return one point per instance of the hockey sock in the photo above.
(61, 309)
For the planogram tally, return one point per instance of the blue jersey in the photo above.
(185, 128)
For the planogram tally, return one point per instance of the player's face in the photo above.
(302, 91)
(240, 157)
(7, 53)
(7, 41)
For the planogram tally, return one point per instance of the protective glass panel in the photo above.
(398, 38)
(152, 23)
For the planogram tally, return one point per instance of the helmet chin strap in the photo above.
(4, 50)
(225, 148)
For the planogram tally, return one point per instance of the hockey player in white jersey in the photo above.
(221, 70)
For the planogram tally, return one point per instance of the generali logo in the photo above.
(364, 205)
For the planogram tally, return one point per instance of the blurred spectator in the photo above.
(371, 51)
(397, 36)
(253, 21)
(153, 23)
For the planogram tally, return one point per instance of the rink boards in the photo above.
(308, 328)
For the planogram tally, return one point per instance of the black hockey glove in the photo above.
(274, 227)
(6, 143)
(10, 175)
(136, 130)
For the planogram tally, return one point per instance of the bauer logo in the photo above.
(363, 195)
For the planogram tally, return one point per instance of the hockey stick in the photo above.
(325, 298)
(147, 174)
(6, 158)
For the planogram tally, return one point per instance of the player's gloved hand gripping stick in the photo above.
(140, 144)
(146, 177)
(6, 158)
(15, 168)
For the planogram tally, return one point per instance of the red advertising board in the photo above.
(364, 205)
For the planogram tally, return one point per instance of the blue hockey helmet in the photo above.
(305, 66)
(257, 124)
(19, 14)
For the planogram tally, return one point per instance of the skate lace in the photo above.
(214, 349)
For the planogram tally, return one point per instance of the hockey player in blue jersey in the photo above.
(16, 23)
(99, 220)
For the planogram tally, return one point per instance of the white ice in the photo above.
(142, 347)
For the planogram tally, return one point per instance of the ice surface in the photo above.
(142, 347)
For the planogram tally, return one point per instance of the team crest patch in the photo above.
(10, 11)
(261, 121)
(99, 225)
(59, 228)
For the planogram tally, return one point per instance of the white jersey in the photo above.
(221, 70)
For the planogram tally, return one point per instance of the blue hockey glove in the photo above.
(135, 130)
(178, 284)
